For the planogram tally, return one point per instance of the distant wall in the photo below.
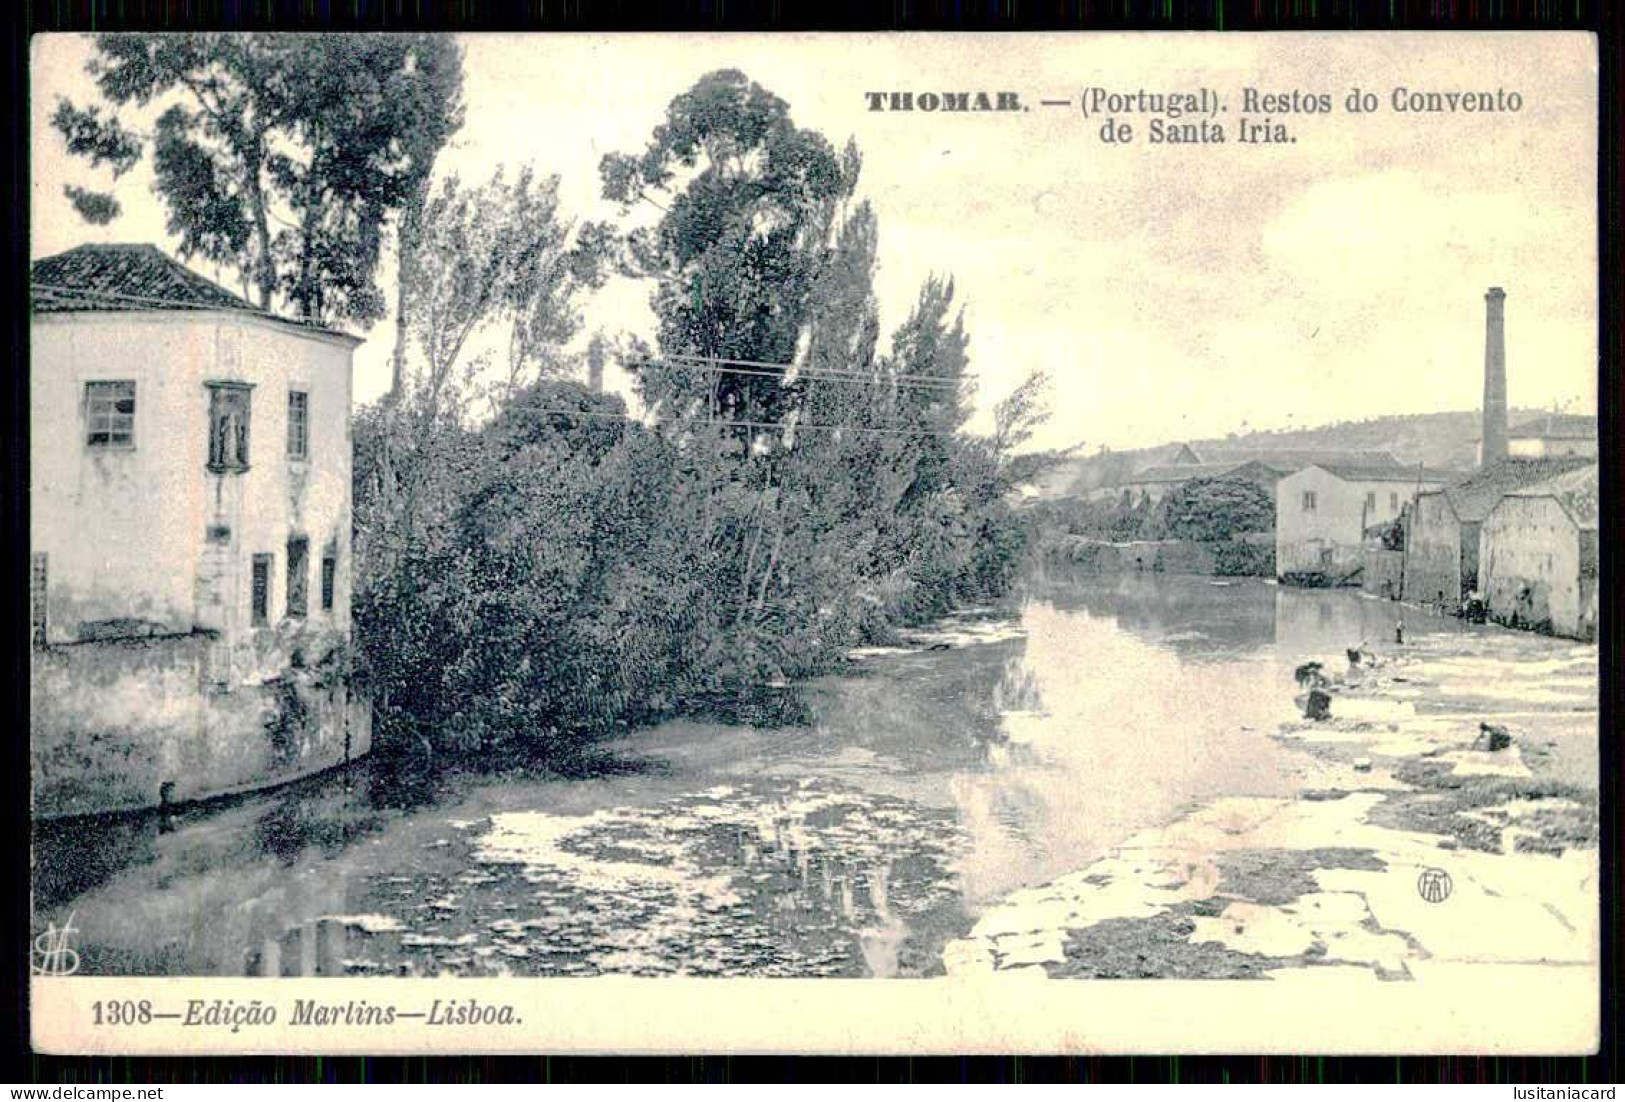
(1384, 573)
(1531, 570)
(1242, 557)
(1433, 545)
(114, 722)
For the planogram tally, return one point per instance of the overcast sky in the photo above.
(1170, 292)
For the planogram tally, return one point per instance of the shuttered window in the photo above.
(330, 570)
(298, 576)
(262, 590)
(298, 424)
(38, 587)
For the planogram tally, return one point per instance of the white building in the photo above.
(1551, 436)
(190, 539)
(1322, 514)
(1539, 556)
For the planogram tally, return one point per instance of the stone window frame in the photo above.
(103, 418)
(230, 441)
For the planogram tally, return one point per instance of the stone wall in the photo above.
(1531, 570)
(125, 724)
(1242, 557)
(1384, 573)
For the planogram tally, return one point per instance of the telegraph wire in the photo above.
(680, 361)
(718, 364)
(785, 426)
(923, 382)
(683, 356)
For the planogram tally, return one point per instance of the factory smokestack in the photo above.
(1493, 446)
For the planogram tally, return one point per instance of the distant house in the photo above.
(1540, 553)
(1262, 468)
(1552, 435)
(1323, 512)
(1442, 543)
(1156, 483)
(1285, 461)
(190, 537)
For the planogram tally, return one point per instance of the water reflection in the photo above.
(864, 820)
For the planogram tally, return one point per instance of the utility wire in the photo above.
(680, 361)
(782, 425)
(786, 367)
(923, 382)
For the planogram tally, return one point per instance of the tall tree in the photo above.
(749, 204)
(436, 100)
(279, 156)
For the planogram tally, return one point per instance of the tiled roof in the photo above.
(124, 277)
(133, 278)
(1473, 497)
(1557, 426)
(1180, 472)
(1576, 489)
(1288, 460)
(1384, 472)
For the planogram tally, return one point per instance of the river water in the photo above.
(912, 792)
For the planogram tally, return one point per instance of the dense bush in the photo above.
(583, 576)
(555, 568)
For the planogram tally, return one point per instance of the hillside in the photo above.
(1443, 440)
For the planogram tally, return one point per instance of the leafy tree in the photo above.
(279, 156)
(1217, 509)
(749, 202)
(560, 569)
(494, 269)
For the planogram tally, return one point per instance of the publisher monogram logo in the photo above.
(53, 956)
(1434, 885)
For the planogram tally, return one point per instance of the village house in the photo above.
(1324, 512)
(1551, 436)
(1447, 538)
(1442, 539)
(1155, 483)
(190, 510)
(1264, 469)
(1540, 556)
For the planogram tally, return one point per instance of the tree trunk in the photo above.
(408, 228)
(264, 271)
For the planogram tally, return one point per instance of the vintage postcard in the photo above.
(814, 543)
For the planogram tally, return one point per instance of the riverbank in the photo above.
(1407, 845)
(1083, 784)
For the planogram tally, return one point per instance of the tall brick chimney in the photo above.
(1493, 445)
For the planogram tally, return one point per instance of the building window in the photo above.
(110, 414)
(298, 424)
(1393, 502)
(330, 573)
(229, 409)
(1371, 502)
(262, 590)
(298, 576)
(1309, 501)
(38, 579)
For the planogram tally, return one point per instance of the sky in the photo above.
(1169, 291)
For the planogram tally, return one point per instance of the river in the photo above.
(913, 792)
